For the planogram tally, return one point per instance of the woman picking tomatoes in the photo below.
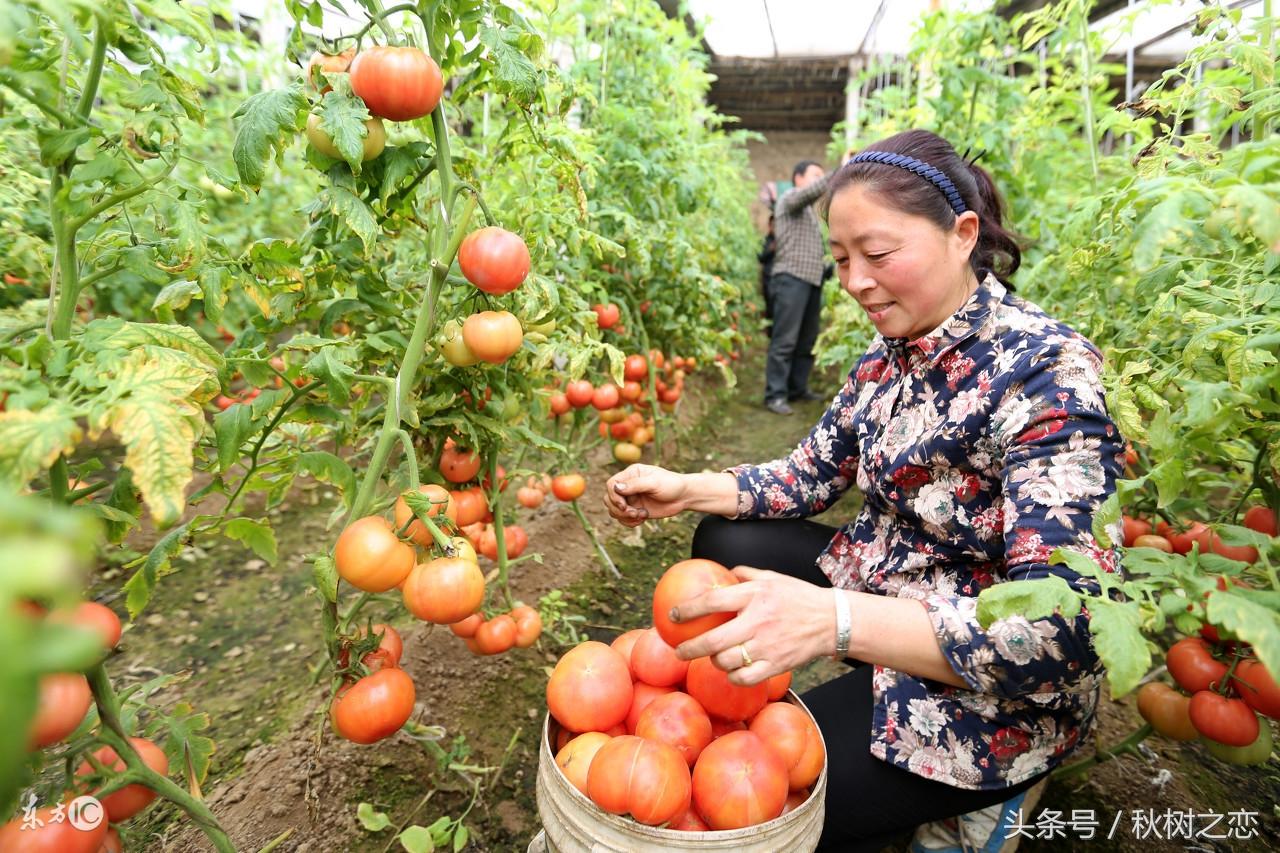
(976, 429)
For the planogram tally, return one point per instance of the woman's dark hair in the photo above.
(997, 249)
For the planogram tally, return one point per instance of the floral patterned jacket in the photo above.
(980, 448)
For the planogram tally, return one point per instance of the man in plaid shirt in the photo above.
(795, 289)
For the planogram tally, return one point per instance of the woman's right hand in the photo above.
(641, 492)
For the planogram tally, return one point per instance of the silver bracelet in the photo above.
(844, 625)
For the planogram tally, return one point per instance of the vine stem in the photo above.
(605, 559)
(1128, 745)
(113, 734)
(499, 528)
(1086, 62)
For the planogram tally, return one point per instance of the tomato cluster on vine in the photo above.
(1226, 691)
(673, 742)
(62, 706)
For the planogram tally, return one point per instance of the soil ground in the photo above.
(246, 636)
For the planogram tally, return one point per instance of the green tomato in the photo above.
(512, 409)
(542, 328)
(453, 347)
(1258, 752)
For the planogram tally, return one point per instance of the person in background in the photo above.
(975, 427)
(795, 289)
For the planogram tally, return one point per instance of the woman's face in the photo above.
(908, 274)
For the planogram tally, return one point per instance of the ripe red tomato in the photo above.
(579, 393)
(390, 648)
(370, 557)
(458, 466)
(559, 404)
(94, 616)
(590, 688)
(568, 487)
(332, 63)
(131, 799)
(689, 822)
(442, 505)
(223, 402)
(1153, 541)
(496, 635)
(470, 504)
(778, 685)
(529, 497)
(625, 643)
(494, 260)
(635, 368)
(1192, 665)
(720, 728)
(516, 540)
(631, 391)
(466, 628)
(374, 707)
(1196, 533)
(1243, 553)
(646, 779)
(444, 590)
(739, 781)
(605, 397)
(1133, 528)
(685, 580)
(493, 336)
(789, 732)
(642, 695)
(396, 83)
(607, 316)
(1257, 688)
(654, 662)
(528, 626)
(51, 837)
(574, 759)
(710, 686)
(1261, 519)
(677, 720)
(62, 704)
(1227, 721)
(1166, 710)
(564, 736)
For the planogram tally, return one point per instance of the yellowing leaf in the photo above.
(31, 441)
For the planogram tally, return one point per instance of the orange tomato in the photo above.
(370, 557)
(590, 688)
(442, 505)
(445, 590)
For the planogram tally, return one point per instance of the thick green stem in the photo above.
(605, 559)
(96, 61)
(113, 734)
(66, 282)
(499, 533)
(1086, 92)
(1129, 744)
(41, 104)
(1258, 133)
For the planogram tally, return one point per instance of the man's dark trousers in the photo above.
(797, 306)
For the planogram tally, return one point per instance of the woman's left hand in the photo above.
(782, 622)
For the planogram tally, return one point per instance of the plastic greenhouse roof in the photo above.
(814, 28)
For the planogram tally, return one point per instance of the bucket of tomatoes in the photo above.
(643, 751)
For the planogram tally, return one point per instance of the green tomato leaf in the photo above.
(1117, 637)
(267, 123)
(416, 839)
(371, 820)
(258, 535)
(1033, 599)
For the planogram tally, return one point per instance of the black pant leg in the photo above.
(790, 299)
(802, 360)
(869, 801)
(790, 546)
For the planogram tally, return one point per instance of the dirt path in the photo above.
(247, 635)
